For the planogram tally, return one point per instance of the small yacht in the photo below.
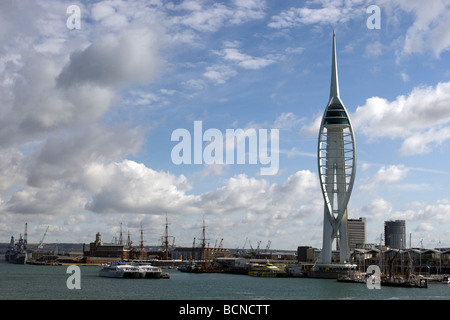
(119, 270)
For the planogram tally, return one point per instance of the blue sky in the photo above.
(87, 116)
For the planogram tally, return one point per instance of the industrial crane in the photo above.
(40, 246)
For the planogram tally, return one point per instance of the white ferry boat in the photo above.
(119, 270)
(146, 270)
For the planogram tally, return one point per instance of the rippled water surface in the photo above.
(49, 282)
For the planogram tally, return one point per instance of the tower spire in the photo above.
(337, 164)
(334, 86)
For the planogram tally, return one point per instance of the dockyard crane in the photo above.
(390, 261)
(257, 248)
(193, 249)
(40, 246)
(243, 247)
(25, 235)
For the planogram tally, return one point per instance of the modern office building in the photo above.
(337, 165)
(356, 232)
(395, 234)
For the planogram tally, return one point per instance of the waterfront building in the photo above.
(395, 234)
(196, 253)
(356, 232)
(99, 249)
(306, 254)
(337, 166)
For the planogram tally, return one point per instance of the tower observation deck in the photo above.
(336, 154)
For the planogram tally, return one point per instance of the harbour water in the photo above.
(37, 282)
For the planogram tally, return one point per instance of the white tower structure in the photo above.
(337, 166)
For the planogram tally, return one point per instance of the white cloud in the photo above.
(232, 58)
(248, 10)
(11, 171)
(205, 20)
(404, 76)
(374, 49)
(429, 30)
(295, 152)
(424, 141)
(425, 226)
(245, 61)
(330, 13)
(130, 187)
(124, 59)
(56, 92)
(312, 129)
(420, 118)
(385, 176)
(108, 14)
(213, 169)
(376, 210)
(102, 10)
(65, 156)
(39, 107)
(219, 73)
(50, 83)
(286, 120)
(205, 16)
(55, 199)
(242, 193)
(438, 212)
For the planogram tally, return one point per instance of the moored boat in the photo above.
(17, 252)
(146, 270)
(409, 281)
(119, 270)
(266, 270)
